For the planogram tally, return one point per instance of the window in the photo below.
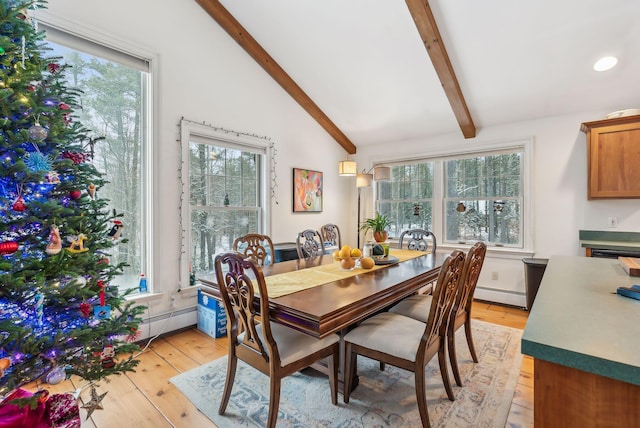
(115, 98)
(408, 198)
(226, 191)
(483, 199)
(462, 198)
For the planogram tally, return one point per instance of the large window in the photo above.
(227, 190)
(408, 198)
(483, 199)
(462, 198)
(115, 95)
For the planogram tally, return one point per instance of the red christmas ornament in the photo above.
(19, 205)
(75, 194)
(134, 335)
(53, 67)
(64, 106)
(8, 247)
(85, 309)
(75, 156)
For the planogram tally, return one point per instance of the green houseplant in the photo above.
(378, 226)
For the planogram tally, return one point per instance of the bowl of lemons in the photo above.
(349, 258)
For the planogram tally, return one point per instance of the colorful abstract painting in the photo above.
(307, 190)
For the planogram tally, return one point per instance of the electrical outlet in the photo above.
(613, 221)
(173, 303)
(494, 276)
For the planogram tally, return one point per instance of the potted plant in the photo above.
(378, 225)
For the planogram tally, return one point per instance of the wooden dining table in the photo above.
(334, 306)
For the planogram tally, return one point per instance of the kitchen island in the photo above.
(585, 340)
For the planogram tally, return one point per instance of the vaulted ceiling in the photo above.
(375, 71)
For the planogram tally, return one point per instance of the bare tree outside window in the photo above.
(112, 97)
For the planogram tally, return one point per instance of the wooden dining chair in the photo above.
(258, 247)
(418, 305)
(330, 233)
(461, 313)
(418, 239)
(407, 343)
(273, 349)
(309, 244)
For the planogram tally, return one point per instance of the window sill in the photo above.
(492, 251)
(146, 297)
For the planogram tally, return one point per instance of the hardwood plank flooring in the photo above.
(146, 398)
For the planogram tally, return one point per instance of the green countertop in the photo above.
(578, 321)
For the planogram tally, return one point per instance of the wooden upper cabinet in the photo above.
(613, 156)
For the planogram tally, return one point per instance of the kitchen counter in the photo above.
(586, 346)
(608, 240)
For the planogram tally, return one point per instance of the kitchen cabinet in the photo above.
(613, 157)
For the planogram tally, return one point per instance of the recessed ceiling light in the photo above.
(606, 63)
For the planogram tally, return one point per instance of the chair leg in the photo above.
(350, 362)
(444, 371)
(232, 364)
(421, 395)
(451, 348)
(467, 332)
(274, 402)
(382, 366)
(334, 362)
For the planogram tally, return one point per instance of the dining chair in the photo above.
(258, 247)
(418, 239)
(461, 313)
(330, 233)
(309, 244)
(417, 306)
(407, 343)
(273, 349)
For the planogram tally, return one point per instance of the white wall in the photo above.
(204, 76)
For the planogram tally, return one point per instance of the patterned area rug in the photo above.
(383, 399)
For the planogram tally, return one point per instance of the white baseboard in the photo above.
(166, 323)
(505, 297)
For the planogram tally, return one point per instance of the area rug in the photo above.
(382, 399)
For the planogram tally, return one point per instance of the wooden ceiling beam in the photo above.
(428, 29)
(253, 48)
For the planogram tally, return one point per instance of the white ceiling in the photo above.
(363, 63)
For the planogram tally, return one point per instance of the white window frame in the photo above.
(438, 206)
(111, 48)
(202, 133)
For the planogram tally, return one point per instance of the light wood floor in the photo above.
(146, 398)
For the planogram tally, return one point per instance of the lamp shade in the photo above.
(347, 167)
(382, 173)
(364, 180)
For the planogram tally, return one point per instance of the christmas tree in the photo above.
(58, 314)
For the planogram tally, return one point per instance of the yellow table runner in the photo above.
(291, 282)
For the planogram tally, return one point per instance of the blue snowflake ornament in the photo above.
(36, 162)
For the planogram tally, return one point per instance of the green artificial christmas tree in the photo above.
(58, 315)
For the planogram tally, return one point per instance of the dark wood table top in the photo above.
(332, 307)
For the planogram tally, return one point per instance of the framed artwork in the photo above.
(307, 191)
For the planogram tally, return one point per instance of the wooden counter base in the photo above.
(567, 397)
